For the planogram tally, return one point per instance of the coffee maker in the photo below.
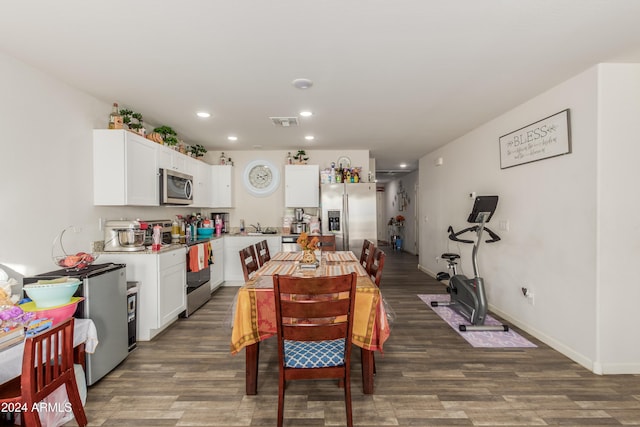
(298, 226)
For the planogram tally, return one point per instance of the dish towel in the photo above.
(196, 258)
(206, 248)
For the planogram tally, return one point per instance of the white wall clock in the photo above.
(261, 178)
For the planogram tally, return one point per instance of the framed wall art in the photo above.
(549, 137)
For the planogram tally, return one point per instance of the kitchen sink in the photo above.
(260, 233)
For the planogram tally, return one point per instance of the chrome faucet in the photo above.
(257, 227)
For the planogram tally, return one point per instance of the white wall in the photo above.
(46, 178)
(618, 232)
(555, 209)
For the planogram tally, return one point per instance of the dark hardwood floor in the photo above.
(428, 376)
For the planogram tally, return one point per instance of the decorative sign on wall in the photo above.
(549, 137)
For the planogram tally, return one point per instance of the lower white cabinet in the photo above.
(232, 246)
(172, 286)
(161, 281)
(217, 268)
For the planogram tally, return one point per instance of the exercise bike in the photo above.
(468, 295)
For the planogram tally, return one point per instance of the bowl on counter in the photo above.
(51, 293)
(56, 314)
(205, 232)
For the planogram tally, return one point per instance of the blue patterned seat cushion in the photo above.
(318, 354)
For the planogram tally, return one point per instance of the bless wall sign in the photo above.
(549, 137)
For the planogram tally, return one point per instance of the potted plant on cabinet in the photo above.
(169, 136)
(198, 151)
(301, 157)
(133, 121)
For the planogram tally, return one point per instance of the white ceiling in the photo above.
(397, 77)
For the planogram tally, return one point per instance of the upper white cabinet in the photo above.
(169, 158)
(301, 186)
(221, 186)
(125, 169)
(201, 182)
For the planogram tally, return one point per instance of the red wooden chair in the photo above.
(46, 365)
(249, 262)
(262, 250)
(314, 332)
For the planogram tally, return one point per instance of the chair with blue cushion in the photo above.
(314, 318)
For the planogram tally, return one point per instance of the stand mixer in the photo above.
(123, 235)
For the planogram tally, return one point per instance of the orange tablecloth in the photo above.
(255, 316)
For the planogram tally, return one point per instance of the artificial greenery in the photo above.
(301, 156)
(132, 119)
(169, 136)
(197, 150)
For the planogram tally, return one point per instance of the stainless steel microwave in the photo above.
(176, 188)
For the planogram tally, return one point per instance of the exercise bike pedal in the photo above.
(442, 276)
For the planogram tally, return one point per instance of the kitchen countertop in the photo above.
(164, 248)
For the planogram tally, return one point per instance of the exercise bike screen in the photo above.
(483, 205)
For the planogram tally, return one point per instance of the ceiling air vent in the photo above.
(284, 122)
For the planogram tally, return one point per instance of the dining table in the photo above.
(85, 340)
(254, 313)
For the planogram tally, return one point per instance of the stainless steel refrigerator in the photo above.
(349, 212)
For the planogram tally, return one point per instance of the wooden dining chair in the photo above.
(47, 364)
(327, 243)
(376, 266)
(314, 318)
(366, 254)
(249, 262)
(262, 250)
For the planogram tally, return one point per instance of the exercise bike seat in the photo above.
(450, 257)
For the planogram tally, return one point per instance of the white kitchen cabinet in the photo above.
(162, 293)
(217, 268)
(221, 186)
(201, 183)
(172, 285)
(301, 186)
(169, 158)
(232, 247)
(125, 169)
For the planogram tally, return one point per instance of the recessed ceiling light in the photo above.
(309, 137)
(403, 165)
(203, 114)
(302, 83)
(306, 113)
(232, 138)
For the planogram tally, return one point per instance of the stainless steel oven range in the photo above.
(198, 283)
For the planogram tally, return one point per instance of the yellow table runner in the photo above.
(255, 317)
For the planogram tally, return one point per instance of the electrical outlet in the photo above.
(503, 225)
